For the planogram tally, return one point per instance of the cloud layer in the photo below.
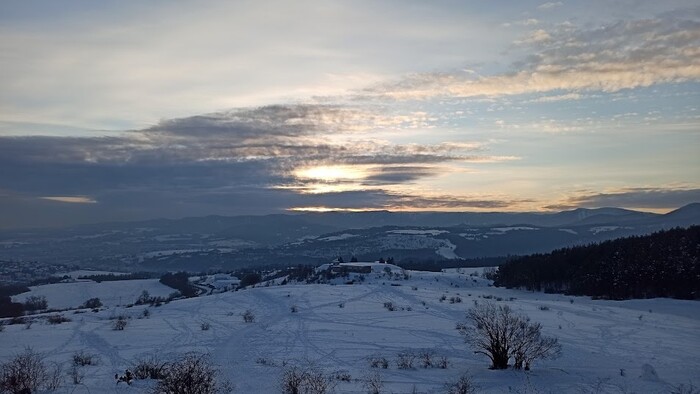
(609, 58)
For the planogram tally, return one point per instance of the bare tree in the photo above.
(530, 345)
(500, 333)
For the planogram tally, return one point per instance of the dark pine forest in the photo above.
(663, 264)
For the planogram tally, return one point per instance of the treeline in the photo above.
(179, 281)
(116, 277)
(439, 265)
(663, 264)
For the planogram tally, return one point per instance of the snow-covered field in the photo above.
(74, 294)
(337, 327)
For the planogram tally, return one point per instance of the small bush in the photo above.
(119, 324)
(310, 380)
(373, 383)
(54, 377)
(93, 303)
(442, 362)
(390, 306)
(264, 361)
(378, 362)
(343, 376)
(146, 313)
(463, 385)
(248, 316)
(82, 359)
(57, 319)
(294, 309)
(149, 367)
(544, 308)
(405, 360)
(192, 374)
(426, 359)
(205, 326)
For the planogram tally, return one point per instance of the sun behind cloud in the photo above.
(331, 173)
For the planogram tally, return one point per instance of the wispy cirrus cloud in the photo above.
(609, 58)
(548, 5)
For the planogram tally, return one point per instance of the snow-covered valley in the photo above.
(607, 346)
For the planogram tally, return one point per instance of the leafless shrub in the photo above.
(292, 380)
(265, 361)
(205, 326)
(192, 374)
(54, 377)
(82, 359)
(463, 385)
(405, 360)
(378, 362)
(426, 358)
(317, 382)
(149, 367)
(309, 380)
(443, 363)
(24, 373)
(57, 319)
(119, 324)
(390, 306)
(343, 376)
(490, 273)
(248, 316)
(76, 374)
(373, 383)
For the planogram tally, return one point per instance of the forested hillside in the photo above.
(663, 264)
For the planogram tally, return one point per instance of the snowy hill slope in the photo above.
(337, 327)
(74, 294)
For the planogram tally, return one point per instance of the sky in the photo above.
(128, 110)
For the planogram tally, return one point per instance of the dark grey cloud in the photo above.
(227, 163)
(652, 198)
(392, 175)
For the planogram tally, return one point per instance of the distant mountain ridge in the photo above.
(218, 241)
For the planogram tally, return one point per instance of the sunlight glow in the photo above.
(331, 173)
(330, 209)
(71, 199)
